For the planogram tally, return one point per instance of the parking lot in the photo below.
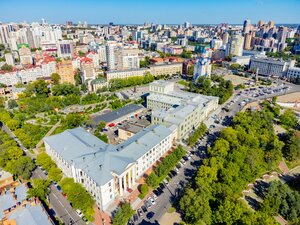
(142, 119)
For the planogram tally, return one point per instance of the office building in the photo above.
(293, 73)
(216, 44)
(184, 110)
(270, 66)
(225, 38)
(108, 171)
(235, 45)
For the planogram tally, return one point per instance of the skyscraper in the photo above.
(225, 38)
(282, 33)
(246, 27)
(235, 45)
(247, 42)
(260, 23)
(114, 55)
(271, 24)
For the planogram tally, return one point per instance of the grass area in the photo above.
(183, 82)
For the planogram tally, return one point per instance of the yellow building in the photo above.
(65, 70)
(166, 69)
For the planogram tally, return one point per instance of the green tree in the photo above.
(7, 68)
(12, 104)
(144, 189)
(22, 167)
(39, 189)
(55, 174)
(45, 161)
(55, 77)
(123, 215)
(292, 149)
(73, 120)
(288, 118)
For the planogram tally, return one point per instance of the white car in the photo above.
(154, 196)
(152, 201)
(79, 213)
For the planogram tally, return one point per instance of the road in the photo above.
(175, 186)
(60, 205)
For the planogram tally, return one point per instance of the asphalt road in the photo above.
(175, 186)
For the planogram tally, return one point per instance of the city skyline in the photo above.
(134, 12)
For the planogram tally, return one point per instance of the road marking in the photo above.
(64, 207)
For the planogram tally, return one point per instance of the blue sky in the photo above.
(157, 11)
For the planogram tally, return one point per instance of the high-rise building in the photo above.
(29, 37)
(187, 24)
(114, 56)
(9, 59)
(225, 38)
(246, 27)
(260, 23)
(271, 24)
(235, 45)
(4, 34)
(216, 44)
(87, 69)
(65, 49)
(247, 42)
(282, 34)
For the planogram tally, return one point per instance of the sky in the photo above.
(156, 11)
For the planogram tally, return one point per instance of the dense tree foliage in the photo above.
(79, 197)
(144, 189)
(292, 148)
(39, 189)
(281, 199)
(65, 90)
(197, 134)
(220, 87)
(116, 84)
(122, 216)
(7, 68)
(288, 119)
(167, 164)
(145, 62)
(45, 161)
(242, 153)
(55, 77)
(12, 158)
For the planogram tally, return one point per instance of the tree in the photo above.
(190, 70)
(234, 66)
(12, 104)
(65, 90)
(23, 167)
(77, 77)
(45, 161)
(144, 189)
(55, 174)
(122, 216)
(292, 148)
(288, 118)
(7, 68)
(79, 197)
(73, 120)
(101, 125)
(145, 62)
(39, 189)
(55, 77)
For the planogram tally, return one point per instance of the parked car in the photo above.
(79, 213)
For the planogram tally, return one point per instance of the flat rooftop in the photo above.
(116, 114)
